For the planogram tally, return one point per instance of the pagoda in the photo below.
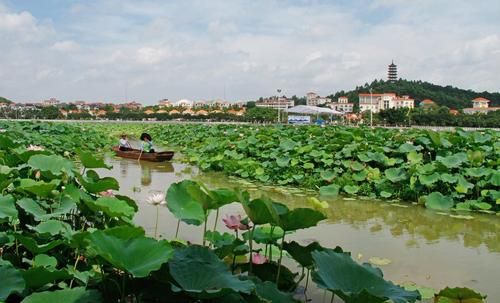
(392, 74)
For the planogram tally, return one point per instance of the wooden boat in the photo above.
(153, 157)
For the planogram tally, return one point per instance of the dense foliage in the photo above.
(460, 168)
(449, 96)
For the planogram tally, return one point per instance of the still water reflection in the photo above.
(424, 247)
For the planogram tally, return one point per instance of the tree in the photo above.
(261, 114)
(50, 112)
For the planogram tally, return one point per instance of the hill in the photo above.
(449, 96)
(4, 100)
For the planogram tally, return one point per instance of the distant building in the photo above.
(343, 105)
(314, 99)
(164, 103)
(480, 105)
(133, 105)
(392, 73)
(185, 103)
(427, 103)
(276, 102)
(378, 102)
(51, 102)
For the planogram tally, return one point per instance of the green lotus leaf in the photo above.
(73, 295)
(218, 239)
(448, 178)
(186, 201)
(337, 272)
(111, 206)
(36, 248)
(12, 280)
(261, 211)
(351, 189)
(395, 174)
(283, 161)
(8, 208)
(385, 194)
(478, 172)
(459, 295)
(40, 276)
(302, 254)
(54, 227)
(138, 255)
(199, 272)
(300, 218)
(32, 207)
(408, 148)
(6, 143)
(287, 145)
(221, 197)
(308, 165)
(331, 190)
(44, 261)
(414, 157)
(268, 291)
(268, 272)
(360, 176)
(453, 161)
(54, 164)
(428, 180)
(328, 175)
(39, 188)
(437, 201)
(89, 160)
(495, 179)
(265, 234)
(463, 185)
(356, 166)
(93, 185)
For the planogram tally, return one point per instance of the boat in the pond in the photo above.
(135, 153)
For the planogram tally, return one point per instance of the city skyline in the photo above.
(125, 50)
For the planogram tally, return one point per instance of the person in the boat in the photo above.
(124, 144)
(147, 143)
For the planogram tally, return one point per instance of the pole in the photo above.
(278, 102)
(371, 108)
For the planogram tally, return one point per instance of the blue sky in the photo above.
(146, 50)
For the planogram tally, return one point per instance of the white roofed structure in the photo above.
(312, 110)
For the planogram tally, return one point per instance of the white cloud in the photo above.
(152, 49)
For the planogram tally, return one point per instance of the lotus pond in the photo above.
(73, 229)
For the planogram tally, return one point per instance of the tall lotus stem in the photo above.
(156, 223)
(333, 296)
(251, 250)
(307, 280)
(271, 245)
(205, 229)
(281, 257)
(216, 219)
(177, 229)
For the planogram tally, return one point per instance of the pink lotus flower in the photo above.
(259, 259)
(234, 222)
(38, 174)
(107, 193)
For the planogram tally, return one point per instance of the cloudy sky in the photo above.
(146, 50)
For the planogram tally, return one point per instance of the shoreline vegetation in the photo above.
(67, 235)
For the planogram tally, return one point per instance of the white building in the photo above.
(480, 105)
(184, 103)
(164, 103)
(378, 102)
(276, 102)
(50, 102)
(343, 105)
(313, 99)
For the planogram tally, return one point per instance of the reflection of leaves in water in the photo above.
(417, 222)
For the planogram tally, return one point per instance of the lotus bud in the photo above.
(38, 174)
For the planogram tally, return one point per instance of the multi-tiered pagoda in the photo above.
(392, 74)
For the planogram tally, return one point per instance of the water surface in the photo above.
(424, 247)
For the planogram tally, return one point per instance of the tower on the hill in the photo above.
(392, 74)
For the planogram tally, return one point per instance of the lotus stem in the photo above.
(251, 250)
(156, 223)
(271, 245)
(216, 219)
(204, 230)
(307, 280)
(281, 257)
(74, 268)
(177, 229)
(17, 243)
(333, 296)
(123, 288)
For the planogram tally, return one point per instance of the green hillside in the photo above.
(449, 96)
(4, 100)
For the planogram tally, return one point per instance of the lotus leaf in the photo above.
(428, 180)
(351, 189)
(395, 174)
(453, 161)
(199, 272)
(138, 256)
(268, 272)
(93, 185)
(39, 188)
(437, 201)
(331, 190)
(36, 248)
(111, 206)
(90, 161)
(495, 178)
(54, 227)
(262, 234)
(39, 276)
(355, 283)
(458, 295)
(54, 164)
(32, 207)
(12, 280)
(302, 254)
(8, 208)
(73, 295)
(300, 218)
(186, 201)
(44, 261)
(270, 293)
(261, 211)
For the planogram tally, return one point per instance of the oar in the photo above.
(139, 159)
